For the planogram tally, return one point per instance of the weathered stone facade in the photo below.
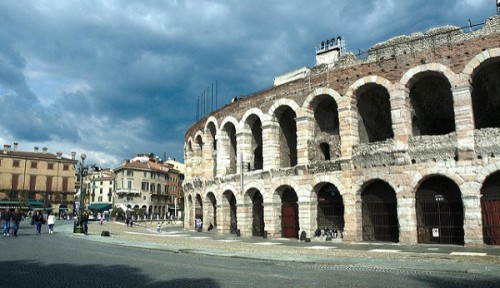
(400, 146)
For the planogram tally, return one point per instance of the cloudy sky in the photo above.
(114, 78)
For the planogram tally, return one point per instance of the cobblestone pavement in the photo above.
(176, 239)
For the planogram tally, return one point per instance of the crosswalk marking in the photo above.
(385, 250)
(266, 243)
(229, 240)
(468, 254)
(320, 247)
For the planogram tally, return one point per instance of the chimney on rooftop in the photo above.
(35, 149)
(73, 155)
(59, 155)
(6, 148)
(45, 150)
(15, 146)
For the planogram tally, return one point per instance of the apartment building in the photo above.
(146, 182)
(37, 180)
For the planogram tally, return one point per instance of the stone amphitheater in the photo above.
(401, 145)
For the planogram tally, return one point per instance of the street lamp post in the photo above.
(78, 228)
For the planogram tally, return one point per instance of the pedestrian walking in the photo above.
(51, 220)
(6, 215)
(16, 221)
(38, 221)
(85, 222)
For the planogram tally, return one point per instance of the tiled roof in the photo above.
(34, 155)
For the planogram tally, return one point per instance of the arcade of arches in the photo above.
(410, 156)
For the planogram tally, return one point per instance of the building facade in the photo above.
(37, 180)
(100, 189)
(401, 145)
(146, 182)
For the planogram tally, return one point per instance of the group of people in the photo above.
(12, 219)
(9, 217)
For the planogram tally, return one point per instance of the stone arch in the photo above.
(484, 80)
(374, 112)
(308, 102)
(251, 125)
(431, 99)
(329, 207)
(379, 212)
(439, 211)
(286, 117)
(211, 210)
(228, 145)
(284, 102)
(229, 210)
(252, 111)
(211, 135)
(325, 139)
(256, 198)
(289, 212)
(490, 207)
(212, 120)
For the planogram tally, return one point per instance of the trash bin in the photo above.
(77, 228)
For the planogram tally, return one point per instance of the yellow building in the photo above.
(146, 182)
(37, 180)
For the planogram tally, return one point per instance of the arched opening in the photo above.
(257, 213)
(212, 130)
(486, 94)
(490, 207)
(198, 208)
(233, 221)
(432, 105)
(288, 136)
(379, 213)
(289, 213)
(325, 151)
(255, 126)
(326, 129)
(375, 123)
(330, 208)
(230, 146)
(212, 210)
(439, 212)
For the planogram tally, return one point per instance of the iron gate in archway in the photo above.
(379, 212)
(257, 215)
(439, 212)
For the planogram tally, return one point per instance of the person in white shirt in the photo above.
(51, 220)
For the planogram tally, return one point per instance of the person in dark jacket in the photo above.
(16, 220)
(38, 221)
(6, 215)
(85, 222)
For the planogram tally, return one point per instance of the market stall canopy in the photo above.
(99, 206)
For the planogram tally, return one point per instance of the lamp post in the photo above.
(78, 227)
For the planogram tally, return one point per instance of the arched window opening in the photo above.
(486, 95)
(375, 112)
(288, 137)
(432, 105)
(325, 151)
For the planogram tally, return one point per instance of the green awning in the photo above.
(9, 204)
(35, 203)
(99, 206)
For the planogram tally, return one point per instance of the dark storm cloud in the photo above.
(114, 78)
